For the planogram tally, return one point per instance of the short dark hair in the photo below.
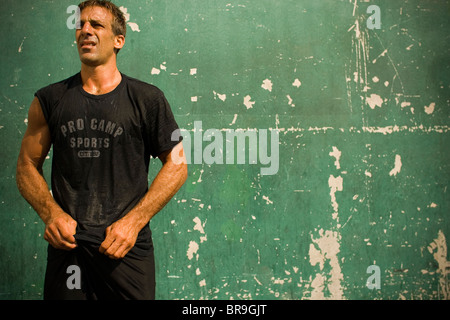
(119, 24)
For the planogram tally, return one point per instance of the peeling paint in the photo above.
(430, 109)
(335, 184)
(397, 167)
(248, 103)
(297, 83)
(267, 85)
(337, 155)
(374, 100)
(133, 25)
(325, 249)
(193, 248)
(438, 248)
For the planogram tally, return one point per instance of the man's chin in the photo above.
(89, 60)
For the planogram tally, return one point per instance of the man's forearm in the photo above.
(34, 189)
(59, 226)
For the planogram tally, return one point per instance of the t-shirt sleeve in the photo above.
(162, 129)
(50, 95)
(43, 96)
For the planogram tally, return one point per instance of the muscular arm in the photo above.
(59, 226)
(121, 235)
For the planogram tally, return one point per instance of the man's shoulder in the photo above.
(142, 88)
(59, 86)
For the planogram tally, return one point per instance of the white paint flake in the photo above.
(290, 101)
(337, 155)
(193, 248)
(268, 201)
(335, 184)
(155, 71)
(222, 97)
(199, 227)
(267, 85)
(397, 166)
(134, 26)
(430, 109)
(395, 128)
(438, 248)
(381, 55)
(249, 104)
(326, 247)
(405, 104)
(374, 101)
(21, 45)
(297, 83)
(234, 119)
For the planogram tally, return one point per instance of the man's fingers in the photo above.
(114, 250)
(57, 239)
(107, 242)
(58, 243)
(116, 245)
(121, 251)
(67, 235)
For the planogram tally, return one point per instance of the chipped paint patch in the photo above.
(374, 100)
(134, 26)
(430, 109)
(200, 227)
(290, 101)
(222, 97)
(267, 85)
(335, 184)
(438, 248)
(193, 248)
(297, 83)
(397, 166)
(325, 249)
(248, 103)
(337, 155)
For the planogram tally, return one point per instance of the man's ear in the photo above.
(119, 42)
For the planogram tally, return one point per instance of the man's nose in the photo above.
(86, 28)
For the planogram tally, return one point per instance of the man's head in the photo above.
(102, 31)
(118, 25)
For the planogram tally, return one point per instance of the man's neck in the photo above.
(100, 79)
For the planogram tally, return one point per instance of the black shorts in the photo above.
(86, 274)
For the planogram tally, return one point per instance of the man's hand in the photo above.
(60, 231)
(120, 238)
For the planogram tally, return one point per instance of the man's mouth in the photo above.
(85, 44)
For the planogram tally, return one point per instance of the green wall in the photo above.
(362, 116)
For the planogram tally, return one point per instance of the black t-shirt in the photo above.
(101, 150)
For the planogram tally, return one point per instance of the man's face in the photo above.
(95, 38)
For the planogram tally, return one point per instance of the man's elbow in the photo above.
(182, 173)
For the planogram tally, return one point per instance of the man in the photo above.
(103, 126)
